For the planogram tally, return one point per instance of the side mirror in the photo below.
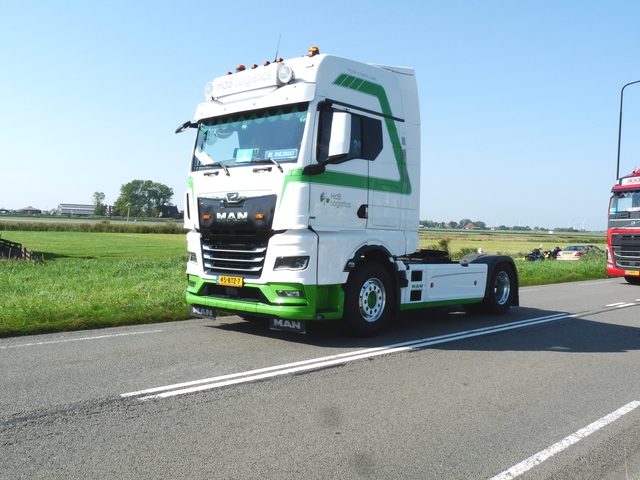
(185, 126)
(340, 143)
(314, 169)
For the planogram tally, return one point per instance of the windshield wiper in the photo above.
(224, 167)
(221, 165)
(268, 160)
(207, 161)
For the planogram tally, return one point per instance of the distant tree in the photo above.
(98, 201)
(453, 224)
(429, 223)
(480, 224)
(463, 223)
(142, 198)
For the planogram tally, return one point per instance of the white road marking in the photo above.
(597, 282)
(82, 339)
(312, 364)
(621, 305)
(540, 457)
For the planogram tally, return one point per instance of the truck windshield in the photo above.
(271, 135)
(624, 203)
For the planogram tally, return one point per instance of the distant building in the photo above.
(75, 209)
(169, 211)
(4, 211)
(29, 211)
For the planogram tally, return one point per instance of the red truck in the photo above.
(623, 229)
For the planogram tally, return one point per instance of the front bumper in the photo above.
(272, 300)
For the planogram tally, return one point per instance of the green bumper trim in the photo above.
(319, 302)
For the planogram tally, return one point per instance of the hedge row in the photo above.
(104, 226)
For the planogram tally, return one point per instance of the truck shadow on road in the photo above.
(564, 332)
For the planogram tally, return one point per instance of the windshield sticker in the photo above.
(291, 153)
(244, 155)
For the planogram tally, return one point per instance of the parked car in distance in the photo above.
(576, 252)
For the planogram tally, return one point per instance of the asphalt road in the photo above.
(550, 390)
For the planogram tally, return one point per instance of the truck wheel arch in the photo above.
(496, 264)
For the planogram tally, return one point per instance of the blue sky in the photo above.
(519, 100)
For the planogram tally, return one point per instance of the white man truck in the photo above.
(303, 201)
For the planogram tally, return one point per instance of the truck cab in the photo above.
(303, 200)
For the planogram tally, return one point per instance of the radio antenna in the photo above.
(277, 48)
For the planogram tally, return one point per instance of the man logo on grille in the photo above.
(233, 197)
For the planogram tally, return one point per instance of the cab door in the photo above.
(339, 188)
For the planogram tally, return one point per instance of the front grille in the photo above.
(245, 260)
(626, 250)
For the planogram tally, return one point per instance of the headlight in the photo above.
(285, 74)
(291, 263)
(208, 90)
(290, 293)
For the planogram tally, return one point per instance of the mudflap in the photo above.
(201, 311)
(280, 324)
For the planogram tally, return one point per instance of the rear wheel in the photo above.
(499, 296)
(369, 300)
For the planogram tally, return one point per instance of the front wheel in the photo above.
(500, 290)
(369, 300)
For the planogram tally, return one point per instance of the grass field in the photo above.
(92, 280)
(508, 242)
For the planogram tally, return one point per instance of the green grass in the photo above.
(91, 280)
(84, 280)
(517, 245)
(553, 271)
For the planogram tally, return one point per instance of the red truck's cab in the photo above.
(623, 229)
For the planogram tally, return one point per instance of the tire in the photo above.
(500, 288)
(369, 300)
(632, 280)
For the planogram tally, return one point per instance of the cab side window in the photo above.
(366, 137)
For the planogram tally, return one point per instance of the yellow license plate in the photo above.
(632, 272)
(230, 281)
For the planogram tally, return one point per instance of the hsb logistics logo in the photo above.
(333, 200)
